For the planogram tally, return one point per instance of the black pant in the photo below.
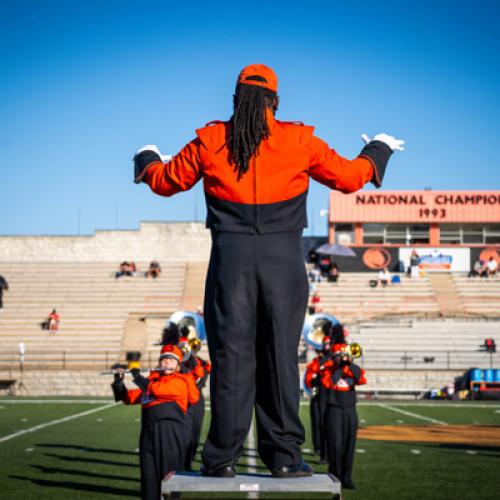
(341, 429)
(162, 449)
(315, 423)
(323, 408)
(197, 413)
(255, 301)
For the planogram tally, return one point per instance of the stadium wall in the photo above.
(88, 383)
(164, 241)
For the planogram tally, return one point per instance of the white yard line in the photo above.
(55, 422)
(252, 456)
(252, 452)
(411, 414)
(430, 405)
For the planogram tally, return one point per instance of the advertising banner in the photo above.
(438, 259)
(369, 259)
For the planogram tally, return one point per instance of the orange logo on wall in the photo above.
(489, 252)
(377, 258)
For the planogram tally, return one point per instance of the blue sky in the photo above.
(84, 84)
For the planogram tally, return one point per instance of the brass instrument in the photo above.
(194, 344)
(355, 350)
(314, 328)
(192, 322)
(351, 351)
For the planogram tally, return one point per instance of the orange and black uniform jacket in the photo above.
(166, 396)
(271, 196)
(341, 380)
(198, 368)
(312, 377)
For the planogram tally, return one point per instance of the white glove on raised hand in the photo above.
(392, 142)
(143, 157)
(153, 147)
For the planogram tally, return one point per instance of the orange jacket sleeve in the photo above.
(133, 397)
(193, 391)
(357, 373)
(181, 173)
(336, 172)
(308, 378)
(198, 371)
(312, 371)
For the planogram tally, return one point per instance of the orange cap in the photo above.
(171, 351)
(260, 75)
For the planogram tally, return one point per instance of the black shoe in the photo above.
(349, 485)
(227, 470)
(303, 469)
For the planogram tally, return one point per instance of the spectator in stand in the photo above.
(124, 270)
(314, 306)
(491, 267)
(324, 266)
(313, 257)
(52, 322)
(334, 273)
(315, 275)
(154, 269)
(3, 286)
(414, 262)
(479, 269)
(384, 277)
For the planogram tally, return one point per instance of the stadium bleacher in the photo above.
(102, 317)
(93, 305)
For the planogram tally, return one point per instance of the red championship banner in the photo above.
(415, 206)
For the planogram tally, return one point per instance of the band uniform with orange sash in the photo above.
(340, 378)
(165, 396)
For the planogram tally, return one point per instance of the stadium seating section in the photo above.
(103, 317)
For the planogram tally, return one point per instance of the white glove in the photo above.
(153, 147)
(392, 142)
(143, 158)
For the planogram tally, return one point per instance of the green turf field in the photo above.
(88, 449)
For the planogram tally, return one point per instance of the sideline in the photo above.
(411, 414)
(417, 403)
(55, 422)
(53, 401)
(440, 404)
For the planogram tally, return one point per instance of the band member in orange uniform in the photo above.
(318, 397)
(256, 172)
(340, 378)
(165, 397)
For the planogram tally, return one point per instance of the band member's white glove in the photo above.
(143, 157)
(153, 147)
(392, 142)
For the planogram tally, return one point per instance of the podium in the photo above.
(251, 484)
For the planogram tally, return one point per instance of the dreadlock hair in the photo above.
(248, 123)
